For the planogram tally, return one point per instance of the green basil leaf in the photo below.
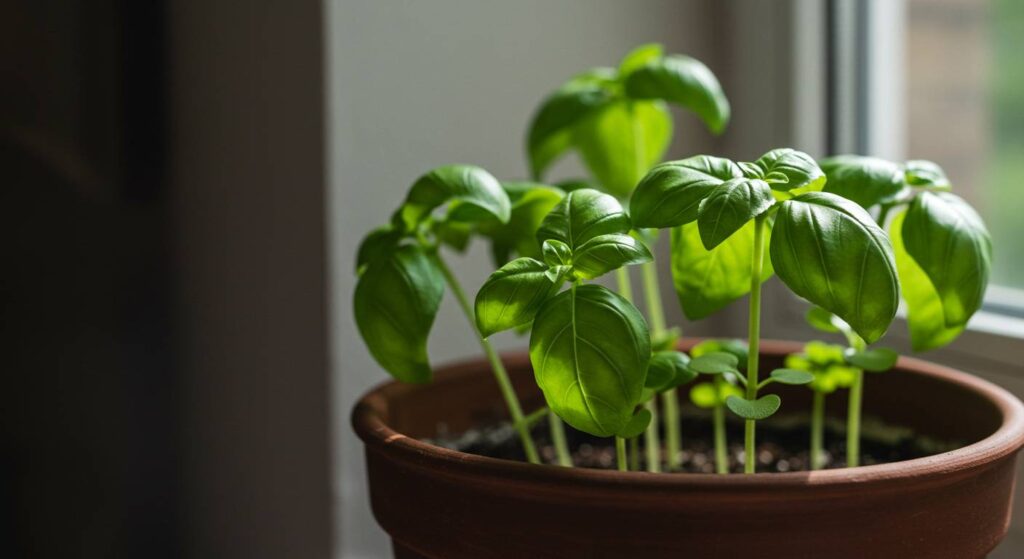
(530, 203)
(605, 253)
(752, 171)
(925, 316)
(639, 56)
(550, 135)
(829, 251)
(637, 424)
(669, 369)
(730, 206)
(622, 140)
(670, 194)
(735, 347)
(395, 302)
(512, 295)
(949, 241)
(761, 408)
(868, 181)
(925, 174)
(715, 363)
(379, 242)
(568, 185)
(706, 281)
(682, 81)
(791, 376)
(801, 169)
(474, 195)
(877, 360)
(590, 349)
(556, 253)
(581, 216)
(454, 234)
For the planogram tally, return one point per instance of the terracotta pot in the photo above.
(440, 503)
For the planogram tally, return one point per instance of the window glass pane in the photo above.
(965, 104)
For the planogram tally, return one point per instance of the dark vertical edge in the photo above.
(862, 80)
(831, 76)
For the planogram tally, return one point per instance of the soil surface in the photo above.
(783, 443)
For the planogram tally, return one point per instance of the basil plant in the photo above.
(617, 120)
(736, 223)
(402, 275)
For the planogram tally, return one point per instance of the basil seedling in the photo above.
(402, 275)
(825, 248)
(712, 395)
(590, 348)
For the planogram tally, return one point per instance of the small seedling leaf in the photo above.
(715, 363)
(760, 408)
(876, 360)
(792, 376)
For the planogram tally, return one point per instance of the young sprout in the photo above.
(825, 248)
(590, 348)
(402, 275)
(827, 362)
(712, 395)
(618, 121)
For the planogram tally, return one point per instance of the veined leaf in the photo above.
(550, 134)
(791, 376)
(706, 281)
(925, 317)
(824, 321)
(621, 140)
(395, 302)
(512, 295)
(829, 251)
(475, 195)
(868, 181)
(605, 253)
(379, 242)
(925, 174)
(801, 169)
(682, 81)
(590, 349)
(530, 203)
(761, 408)
(729, 207)
(669, 369)
(581, 216)
(950, 243)
(556, 253)
(670, 194)
(715, 363)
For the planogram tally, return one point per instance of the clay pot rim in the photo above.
(368, 414)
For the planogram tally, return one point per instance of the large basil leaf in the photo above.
(475, 195)
(581, 216)
(590, 348)
(670, 194)
(730, 206)
(868, 181)
(605, 253)
(395, 302)
(948, 240)
(622, 140)
(829, 251)
(550, 134)
(530, 203)
(925, 317)
(512, 295)
(683, 81)
(639, 56)
(706, 281)
(925, 174)
(801, 169)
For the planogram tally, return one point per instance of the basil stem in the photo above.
(721, 450)
(817, 430)
(558, 439)
(753, 340)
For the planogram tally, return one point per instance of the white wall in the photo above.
(418, 84)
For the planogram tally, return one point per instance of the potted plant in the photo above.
(596, 364)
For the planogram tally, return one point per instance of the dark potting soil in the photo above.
(782, 444)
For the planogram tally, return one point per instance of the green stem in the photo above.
(652, 296)
(620, 453)
(721, 450)
(817, 430)
(673, 437)
(754, 341)
(883, 214)
(634, 453)
(558, 439)
(500, 374)
(652, 444)
(625, 286)
(854, 411)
